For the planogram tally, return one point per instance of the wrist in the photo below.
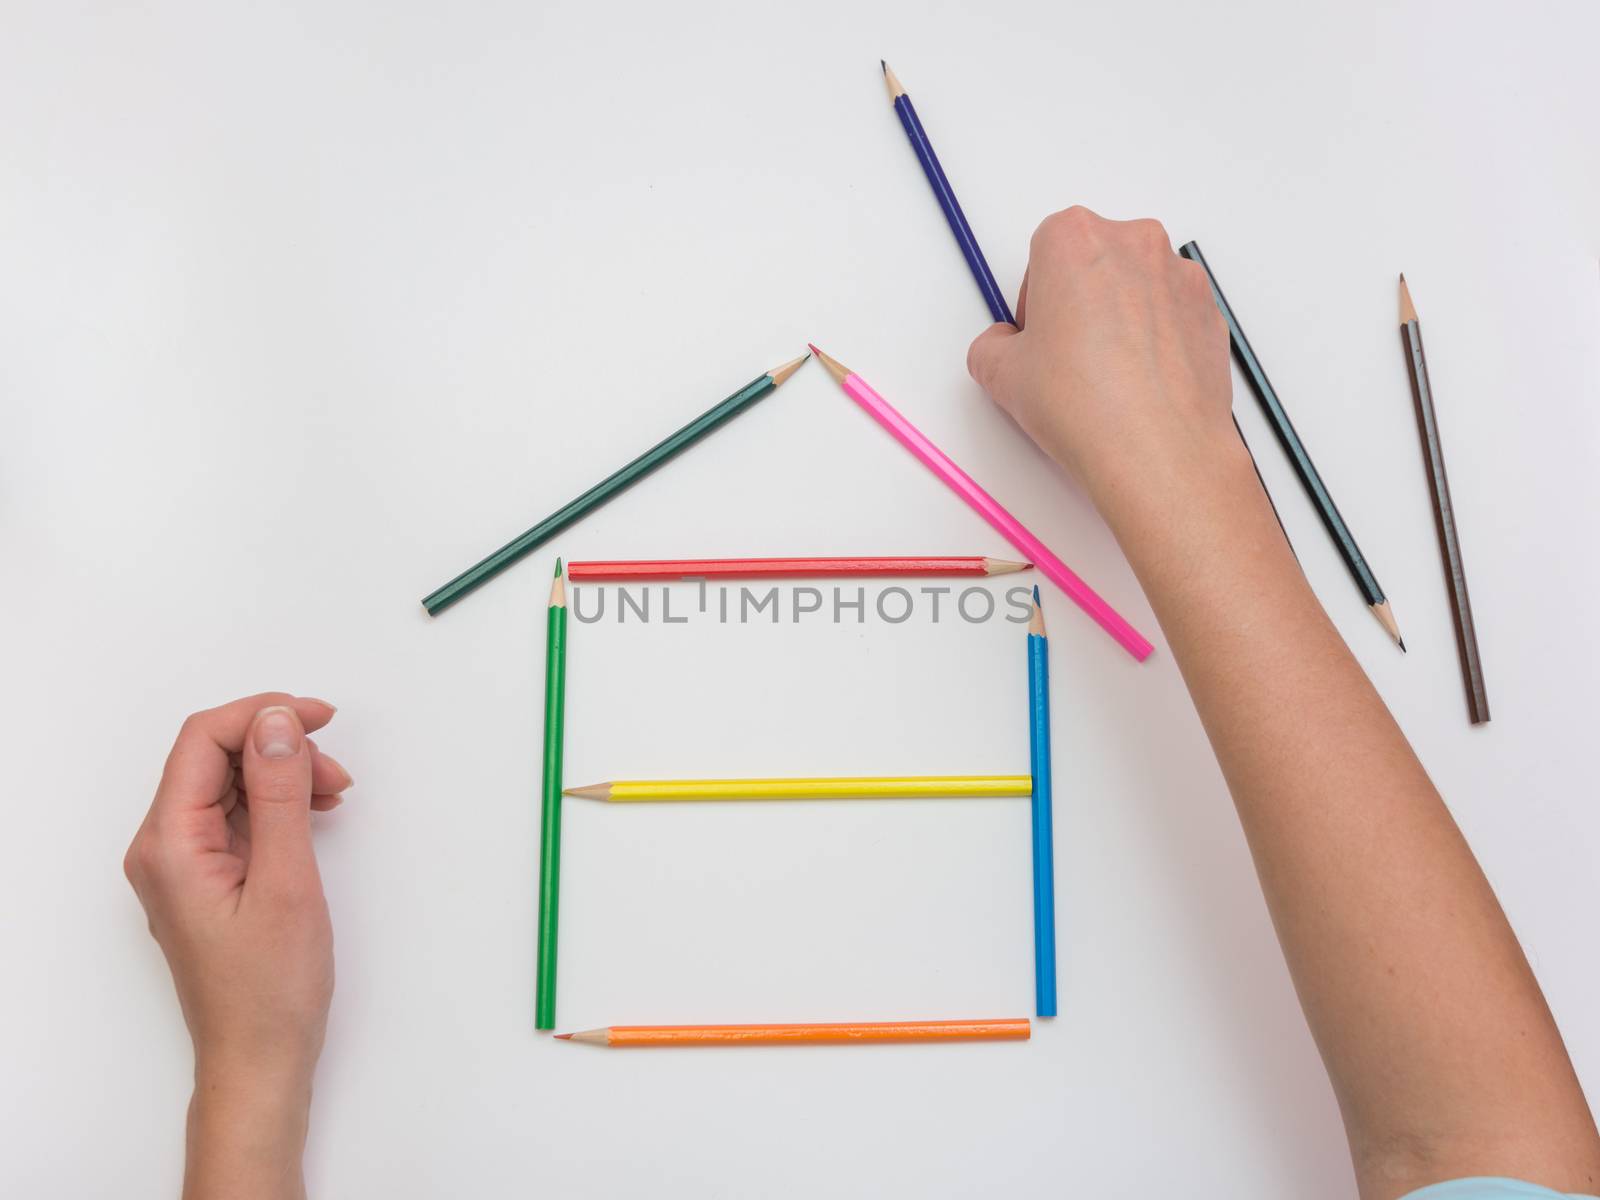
(247, 1128)
(1173, 493)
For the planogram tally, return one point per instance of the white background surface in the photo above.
(303, 308)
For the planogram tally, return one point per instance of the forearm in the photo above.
(246, 1135)
(1436, 1037)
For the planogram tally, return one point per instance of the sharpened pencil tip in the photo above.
(1403, 649)
(558, 567)
(563, 1037)
(891, 82)
(835, 367)
(1408, 310)
(779, 374)
(1036, 619)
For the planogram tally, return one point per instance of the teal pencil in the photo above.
(1044, 867)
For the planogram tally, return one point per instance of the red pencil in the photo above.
(789, 568)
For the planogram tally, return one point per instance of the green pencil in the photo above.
(555, 702)
(476, 576)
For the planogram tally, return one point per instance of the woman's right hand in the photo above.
(1118, 364)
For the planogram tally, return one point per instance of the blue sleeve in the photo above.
(1488, 1189)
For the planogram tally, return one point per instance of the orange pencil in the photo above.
(1004, 1029)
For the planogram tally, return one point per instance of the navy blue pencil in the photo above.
(1044, 865)
(998, 308)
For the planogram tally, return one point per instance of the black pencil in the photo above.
(1321, 498)
(1444, 516)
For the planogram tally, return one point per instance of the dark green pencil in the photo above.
(555, 703)
(1256, 375)
(442, 598)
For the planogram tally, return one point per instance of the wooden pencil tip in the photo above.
(558, 589)
(1386, 619)
(891, 82)
(779, 374)
(1408, 311)
(1036, 621)
(835, 368)
(1002, 566)
(591, 791)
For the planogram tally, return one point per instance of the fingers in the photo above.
(276, 762)
(988, 356)
(196, 773)
(1022, 302)
(328, 775)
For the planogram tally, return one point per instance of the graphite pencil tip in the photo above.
(1403, 649)
(835, 368)
(1408, 311)
(884, 65)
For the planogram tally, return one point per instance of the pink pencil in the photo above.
(935, 459)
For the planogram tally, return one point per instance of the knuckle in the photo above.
(142, 863)
(1152, 234)
(1068, 227)
(278, 787)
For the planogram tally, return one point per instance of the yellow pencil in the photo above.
(851, 788)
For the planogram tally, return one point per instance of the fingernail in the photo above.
(333, 708)
(278, 733)
(340, 767)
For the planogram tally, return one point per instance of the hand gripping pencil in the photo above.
(976, 263)
(990, 509)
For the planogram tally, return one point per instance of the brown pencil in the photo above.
(1444, 517)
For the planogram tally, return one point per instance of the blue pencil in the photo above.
(998, 308)
(1044, 867)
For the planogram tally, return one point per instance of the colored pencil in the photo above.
(1004, 1029)
(918, 137)
(555, 701)
(786, 568)
(1310, 479)
(1444, 513)
(909, 436)
(476, 576)
(1044, 866)
(846, 788)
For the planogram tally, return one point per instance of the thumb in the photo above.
(989, 357)
(277, 779)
